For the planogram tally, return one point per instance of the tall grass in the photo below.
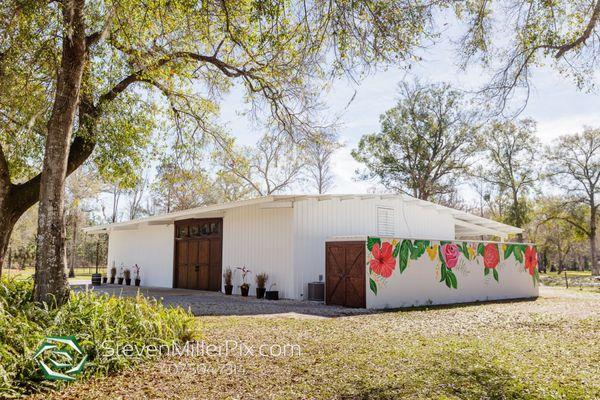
(92, 319)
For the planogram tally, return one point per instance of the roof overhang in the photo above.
(465, 224)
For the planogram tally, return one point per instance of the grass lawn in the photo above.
(578, 280)
(543, 349)
(80, 273)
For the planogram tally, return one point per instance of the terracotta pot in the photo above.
(260, 292)
(228, 289)
(244, 290)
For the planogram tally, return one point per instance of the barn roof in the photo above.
(465, 224)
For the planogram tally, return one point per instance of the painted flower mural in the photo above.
(383, 262)
(385, 256)
(531, 261)
(491, 255)
(451, 253)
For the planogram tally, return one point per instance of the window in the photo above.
(385, 221)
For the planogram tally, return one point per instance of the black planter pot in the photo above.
(128, 282)
(272, 295)
(228, 289)
(96, 279)
(137, 282)
(112, 280)
(120, 281)
(105, 279)
(260, 292)
(244, 290)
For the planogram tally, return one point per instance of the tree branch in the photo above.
(585, 34)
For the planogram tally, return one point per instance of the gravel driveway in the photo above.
(214, 303)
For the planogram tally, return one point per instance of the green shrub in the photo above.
(93, 319)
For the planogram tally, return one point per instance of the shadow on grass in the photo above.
(491, 382)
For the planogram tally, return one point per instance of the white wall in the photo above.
(150, 247)
(315, 221)
(420, 283)
(260, 239)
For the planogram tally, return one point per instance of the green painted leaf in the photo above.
(464, 249)
(480, 248)
(508, 251)
(373, 286)
(418, 248)
(448, 281)
(453, 281)
(404, 254)
(371, 242)
(396, 250)
(536, 277)
(496, 275)
(518, 252)
(443, 273)
(486, 271)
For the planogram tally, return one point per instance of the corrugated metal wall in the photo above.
(315, 221)
(260, 239)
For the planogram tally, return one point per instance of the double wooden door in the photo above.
(345, 274)
(198, 251)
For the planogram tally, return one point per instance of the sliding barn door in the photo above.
(345, 274)
(198, 247)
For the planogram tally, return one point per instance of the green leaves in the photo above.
(486, 271)
(480, 249)
(448, 277)
(371, 242)
(404, 254)
(508, 251)
(418, 248)
(495, 274)
(373, 286)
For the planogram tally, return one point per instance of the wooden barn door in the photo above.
(345, 274)
(198, 247)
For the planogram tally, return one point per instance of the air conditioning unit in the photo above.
(316, 291)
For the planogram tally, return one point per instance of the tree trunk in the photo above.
(50, 279)
(593, 212)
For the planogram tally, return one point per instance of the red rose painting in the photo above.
(531, 260)
(491, 256)
(383, 262)
(451, 253)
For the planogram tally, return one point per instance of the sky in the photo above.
(557, 105)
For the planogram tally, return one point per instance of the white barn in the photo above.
(283, 235)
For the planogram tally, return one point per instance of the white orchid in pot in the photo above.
(245, 286)
(136, 271)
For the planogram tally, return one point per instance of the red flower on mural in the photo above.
(531, 260)
(451, 253)
(383, 262)
(491, 257)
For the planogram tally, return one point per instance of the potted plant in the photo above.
(261, 281)
(228, 276)
(104, 279)
(272, 294)
(113, 274)
(120, 276)
(245, 286)
(127, 274)
(136, 270)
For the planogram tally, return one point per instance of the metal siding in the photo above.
(260, 239)
(315, 221)
(150, 247)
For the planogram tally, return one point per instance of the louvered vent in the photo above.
(385, 221)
